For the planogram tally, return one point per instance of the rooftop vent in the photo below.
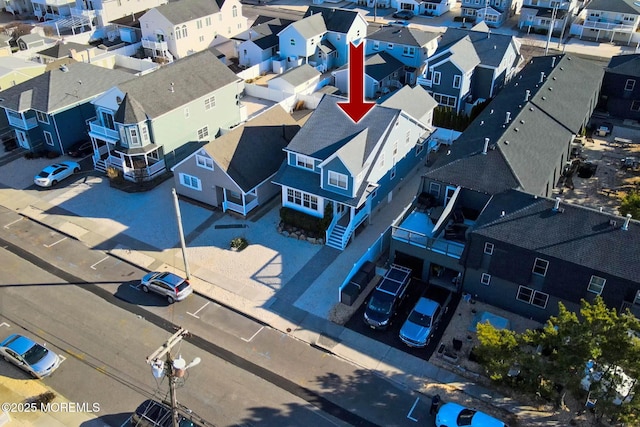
(541, 77)
(625, 226)
(486, 146)
(544, 98)
(530, 108)
(612, 222)
(553, 62)
(527, 94)
(507, 118)
(171, 88)
(556, 206)
(64, 68)
(502, 214)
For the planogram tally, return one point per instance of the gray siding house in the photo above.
(151, 123)
(234, 172)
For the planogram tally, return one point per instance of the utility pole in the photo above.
(181, 233)
(553, 23)
(172, 368)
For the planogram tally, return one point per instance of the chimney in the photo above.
(553, 62)
(486, 146)
(541, 77)
(507, 118)
(625, 226)
(502, 214)
(527, 94)
(556, 207)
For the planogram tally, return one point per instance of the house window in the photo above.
(293, 42)
(436, 77)
(488, 248)
(134, 139)
(178, 33)
(434, 189)
(304, 162)
(199, 24)
(485, 279)
(190, 182)
(540, 267)
(393, 172)
(302, 199)
(209, 103)
(234, 11)
(186, 112)
(445, 100)
(408, 137)
(48, 138)
(203, 133)
(409, 51)
(457, 80)
(390, 46)
(636, 300)
(204, 162)
(596, 285)
(207, 21)
(376, 45)
(419, 148)
(381, 160)
(184, 31)
(338, 180)
(530, 296)
(630, 84)
(145, 133)
(42, 117)
(635, 106)
(201, 39)
(395, 148)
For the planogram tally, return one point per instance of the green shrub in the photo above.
(307, 222)
(239, 243)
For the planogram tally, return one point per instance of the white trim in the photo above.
(40, 114)
(192, 180)
(488, 248)
(301, 158)
(546, 267)
(204, 162)
(597, 285)
(50, 140)
(338, 179)
(485, 279)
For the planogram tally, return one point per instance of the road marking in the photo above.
(5, 324)
(198, 310)
(136, 287)
(93, 267)
(13, 222)
(412, 409)
(252, 336)
(55, 243)
(62, 358)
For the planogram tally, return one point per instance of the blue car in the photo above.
(454, 415)
(29, 356)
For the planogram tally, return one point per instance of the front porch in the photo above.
(241, 203)
(346, 219)
(138, 164)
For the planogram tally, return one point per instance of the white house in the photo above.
(101, 12)
(299, 80)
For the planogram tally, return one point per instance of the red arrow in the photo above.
(356, 108)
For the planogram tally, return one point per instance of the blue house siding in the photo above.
(72, 125)
(402, 169)
(292, 161)
(336, 165)
(483, 81)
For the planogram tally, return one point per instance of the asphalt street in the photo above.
(106, 326)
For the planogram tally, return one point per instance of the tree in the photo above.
(496, 350)
(631, 204)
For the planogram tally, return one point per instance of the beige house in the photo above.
(14, 71)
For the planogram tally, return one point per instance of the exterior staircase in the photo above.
(336, 237)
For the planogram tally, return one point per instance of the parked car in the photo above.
(399, 23)
(387, 297)
(454, 415)
(53, 174)
(29, 356)
(151, 413)
(422, 320)
(403, 14)
(169, 285)
(81, 149)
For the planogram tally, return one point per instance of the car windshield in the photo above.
(35, 354)
(419, 318)
(182, 286)
(380, 304)
(466, 416)
(43, 174)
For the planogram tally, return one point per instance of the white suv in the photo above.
(169, 285)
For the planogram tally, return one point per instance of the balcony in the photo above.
(56, 3)
(423, 81)
(17, 120)
(608, 26)
(154, 45)
(96, 130)
(75, 11)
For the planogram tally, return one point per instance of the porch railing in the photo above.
(22, 123)
(440, 246)
(610, 26)
(145, 173)
(154, 45)
(241, 209)
(329, 230)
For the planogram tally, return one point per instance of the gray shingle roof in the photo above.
(578, 235)
(414, 101)
(129, 112)
(30, 38)
(619, 6)
(463, 55)
(57, 90)
(544, 126)
(181, 11)
(193, 77)
(252, 152)
(489, 47)
(381, 65)
(626, 65)
(266, 41)
(298, 75)
(336, 20)
(62, 50)
(311, 26)
(404, 36)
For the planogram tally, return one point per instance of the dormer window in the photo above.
(293, 42)
(305, 162)
(338, 180)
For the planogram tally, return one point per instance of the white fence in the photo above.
(372, 254)
(256, 70)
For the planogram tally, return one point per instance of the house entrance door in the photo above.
(23, 141)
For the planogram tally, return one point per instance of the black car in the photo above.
(81, 149)
(152, 413)
(403, 14)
